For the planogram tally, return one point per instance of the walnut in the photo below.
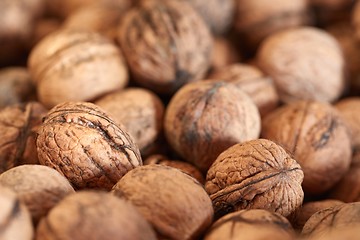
(183, 166)
(140, 111)
(43, 27)
(305, 64)
(75, 65)
(94, 215)
(351, 232)
(205, 118)
(38, 196)
(80, 141)
(257, 174)
(173, 202)
(251, 224)
(316, 136)
(15, 220)
(18, 126)
(224, 53)
(252, 81)
(166, 44)
(15, 86)
(329, 219)
(257, 19)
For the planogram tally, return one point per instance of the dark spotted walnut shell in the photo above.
(316, 136)
(174, 203)
(15, 220)
(255, 224)
(347, 214)
(94, 215)
(257, 174)
(205, 118)
(166, 44)
(252, 81)
(36, 193)
(18, 128)
(80, 141)
(305, 63)
(140, 111)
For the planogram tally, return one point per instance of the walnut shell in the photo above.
(94, 215)
(351, 232)
(252, 81)
(76, 65)
(205, 118)
(18, 128)
(257, 174)
(80, 141)
(37, 195)
(305, 64)
(316, 136)
(15, 220)
(140, 111)
(174, 203)
(166, 44)
(252, 224)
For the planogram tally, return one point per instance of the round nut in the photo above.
(80, 141)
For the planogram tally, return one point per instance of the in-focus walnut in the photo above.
(15, 220)
(80, 141)
(15, 86)
(257, 19)
(140, 111)
(166, 44)
(205, 118)
(257, 174)
(252, 81)
(18, 128)
(174, 203)
(305, 64)
(347, 214)
(94, 215)
(75, 65)
(316, 136)
(224, 53)
(183, 166)
(349, 109)
(255, 224)
(37, 194)
(308, 209)
(348, 188)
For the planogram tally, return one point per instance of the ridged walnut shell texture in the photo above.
(76, 65)
(15, 220)
(18, 128)
(205, 118)
(316, 136)
(94, 215)
(80, 141)
(305, 63)
(174, 203)
(166, 44)
(255, 224)
(257, 174)
(37, 195)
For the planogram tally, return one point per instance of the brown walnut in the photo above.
(305, 63)
(205, 118)
(255, 224)
(140, 111)
(257, 174)
(94, 215)
(80, 141)
(18, 127)
(15, 220)
(252, 81)
(174, 203)
(76, 65)
(37, 194)
(316, 136)
(166, 44)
